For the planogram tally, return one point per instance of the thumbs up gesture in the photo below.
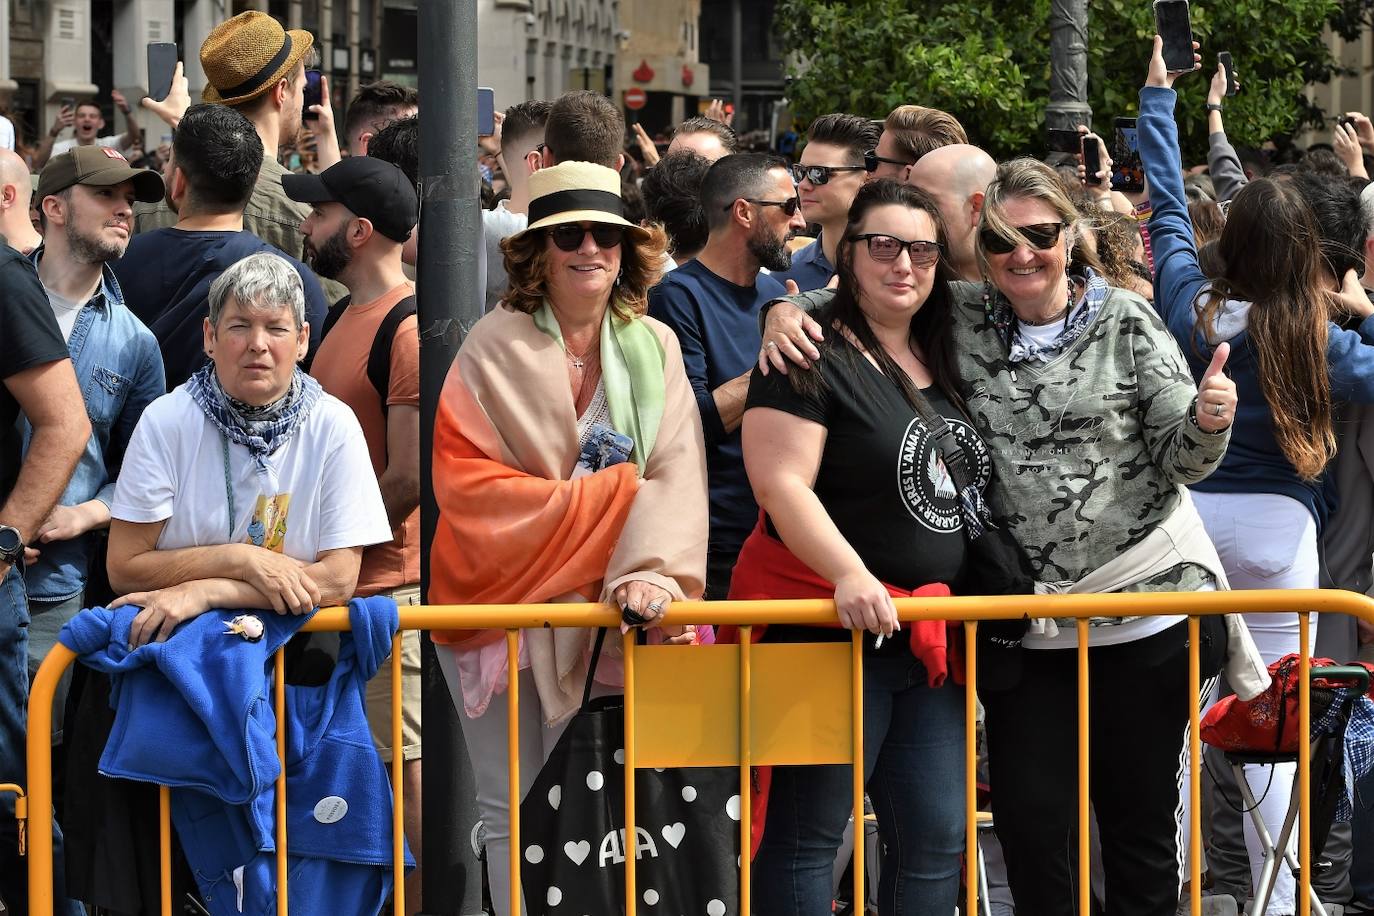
(1216, 394)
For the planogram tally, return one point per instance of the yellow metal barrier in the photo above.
(750, 728)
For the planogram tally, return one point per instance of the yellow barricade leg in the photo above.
(1085, 884)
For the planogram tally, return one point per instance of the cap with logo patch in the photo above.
(97, 167)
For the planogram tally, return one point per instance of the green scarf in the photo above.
(631, 372)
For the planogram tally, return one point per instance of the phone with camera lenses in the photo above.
(314, 95)
(1172, 24)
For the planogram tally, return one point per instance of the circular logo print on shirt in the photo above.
(926, 485)
(330, 809)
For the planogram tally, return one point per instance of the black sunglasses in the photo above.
(1043, 236)
(789, 206)
(569, 236)
(820, 174)
(888, 247)
(871, 160)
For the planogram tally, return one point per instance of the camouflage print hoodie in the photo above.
(1090, 447)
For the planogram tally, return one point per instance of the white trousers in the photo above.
(486, 738)
(1266, 541)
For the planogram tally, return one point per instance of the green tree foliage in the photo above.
(989, 64)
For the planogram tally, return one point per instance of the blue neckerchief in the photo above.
(261, 430)
(1020, 348)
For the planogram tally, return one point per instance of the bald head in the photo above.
(13, 171)
(957, 177)
(962, 169)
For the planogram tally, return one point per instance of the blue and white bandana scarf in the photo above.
(261, 430)
(1022, 349)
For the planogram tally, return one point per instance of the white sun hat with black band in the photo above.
(575, 192)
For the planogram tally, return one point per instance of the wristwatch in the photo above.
(11, 545)
(1214, 106)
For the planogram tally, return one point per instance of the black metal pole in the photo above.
(1068, 106)
(449, 304)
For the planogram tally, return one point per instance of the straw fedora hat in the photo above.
(245, 56)
(574, 192)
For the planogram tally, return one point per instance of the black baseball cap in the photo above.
(375, 190)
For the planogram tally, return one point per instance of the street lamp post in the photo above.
(1068, 106)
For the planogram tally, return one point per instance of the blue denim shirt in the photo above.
(119, 368)
(810, 269)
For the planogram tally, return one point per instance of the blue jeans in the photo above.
(914, 770)
(14, 698)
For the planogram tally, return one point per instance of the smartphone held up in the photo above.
(1173, 25)
(162, 65)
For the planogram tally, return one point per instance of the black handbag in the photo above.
(572, 826)
(996, 565)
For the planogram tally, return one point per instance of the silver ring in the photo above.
(770, 345)
(655, 609)
(1218, 410)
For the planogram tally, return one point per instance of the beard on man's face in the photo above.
(332, 258)
(771, 249)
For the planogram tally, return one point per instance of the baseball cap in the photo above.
(375, 190)
(98, 167)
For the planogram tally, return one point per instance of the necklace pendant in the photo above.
(578, 364)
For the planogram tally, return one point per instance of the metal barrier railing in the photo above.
(512, 618)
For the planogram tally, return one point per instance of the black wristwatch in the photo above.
(11, 545)
(1214, 106)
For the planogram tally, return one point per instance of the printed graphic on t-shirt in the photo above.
(268, 527)
(926, 485)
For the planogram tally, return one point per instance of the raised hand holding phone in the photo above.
(1159, 74)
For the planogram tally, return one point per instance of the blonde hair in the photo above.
(1024, 178)
(917, 130)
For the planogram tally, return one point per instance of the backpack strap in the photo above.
(379, 358)
(332, 316)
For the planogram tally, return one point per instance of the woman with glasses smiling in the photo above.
(881, 405)
(1094, 426)
(568, 467)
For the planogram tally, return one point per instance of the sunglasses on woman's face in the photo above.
(1043, 236)
(820, 174)
(789, 206)
(886, 248)
(569, 236)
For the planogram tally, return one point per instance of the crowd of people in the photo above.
(891, 367)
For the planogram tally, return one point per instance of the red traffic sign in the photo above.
(635, 98)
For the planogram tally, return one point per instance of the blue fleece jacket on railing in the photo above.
(196, 713)
(1254, 463)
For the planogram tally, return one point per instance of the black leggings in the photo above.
(1138, 723)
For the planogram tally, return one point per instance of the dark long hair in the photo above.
(932, 324)
(1269, 255)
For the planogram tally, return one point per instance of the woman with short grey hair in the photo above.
(264, 280)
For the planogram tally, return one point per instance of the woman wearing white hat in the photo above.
(568, 466)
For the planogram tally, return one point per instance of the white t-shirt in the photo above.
(497, 224)
(6, 133)
(319, 491)
(61, 146)
(65, 311)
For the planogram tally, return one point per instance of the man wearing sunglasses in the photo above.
(829, 174)
(957, 177)
(910, 132)
(712, 304)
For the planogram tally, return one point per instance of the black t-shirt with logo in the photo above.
(29, 337)
(881, 477)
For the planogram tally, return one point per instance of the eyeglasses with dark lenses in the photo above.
(1043, 236)
(871, 160)
(820, 174)
(789, 206)
(569, 236)
(888, 247)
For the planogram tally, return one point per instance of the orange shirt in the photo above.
(341, 369)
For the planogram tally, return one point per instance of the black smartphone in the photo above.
(1224, 58)
(69, 102)
(1127, 172)
(1172, 25)
(313, 95)
(162, 65)
(1062, 141)
(486, 111)
(1092, 158)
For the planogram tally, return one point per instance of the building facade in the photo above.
(660, 53)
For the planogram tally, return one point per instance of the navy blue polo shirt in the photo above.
(717, 324)
(810, 269)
